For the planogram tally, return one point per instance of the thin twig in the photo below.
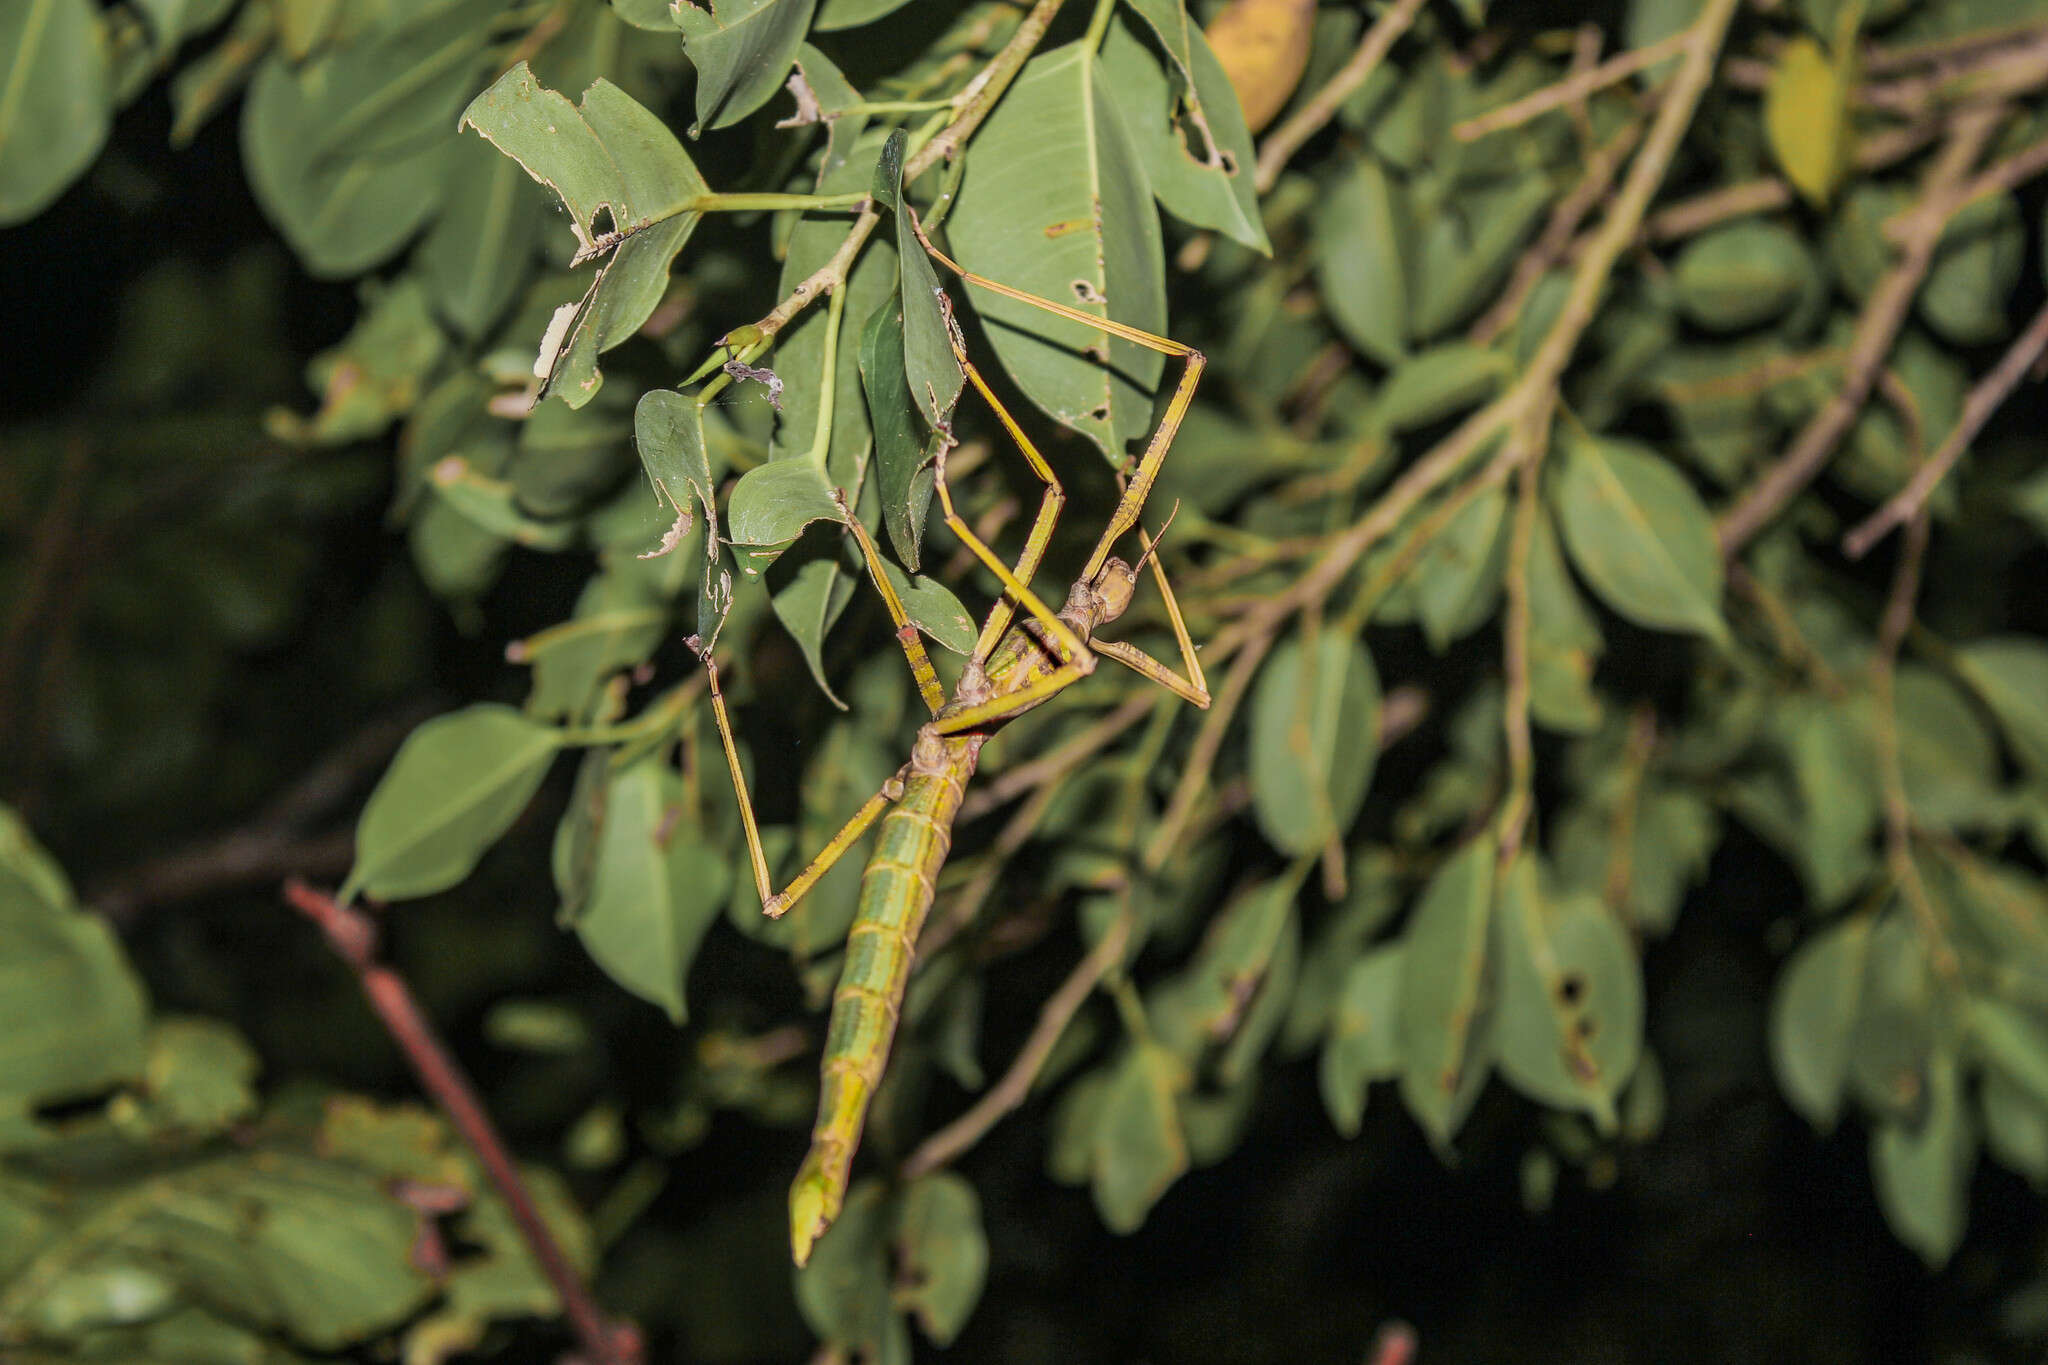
(1549, 248)
(974, 104)
(1876, 330)
(1255, 631)
(1015, 782)
(1984, 399)
(1526, 446)
(1569, 90)
(1304, 123)
(944, 1146)
(1898, 813)
(353, 937)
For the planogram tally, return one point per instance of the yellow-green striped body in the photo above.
(896, 893)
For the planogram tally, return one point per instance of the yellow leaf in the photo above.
(1806, 118)
(1263, 46)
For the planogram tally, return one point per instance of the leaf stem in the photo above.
(750, 203)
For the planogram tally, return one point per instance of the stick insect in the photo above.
(1015, 666)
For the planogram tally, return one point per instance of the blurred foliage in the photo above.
(1567, 731)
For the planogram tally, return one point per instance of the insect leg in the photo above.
(774, 903)
(906, 633)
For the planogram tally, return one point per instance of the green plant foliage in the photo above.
(1531, 443)
(458, 783)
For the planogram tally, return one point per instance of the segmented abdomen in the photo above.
(896, 893)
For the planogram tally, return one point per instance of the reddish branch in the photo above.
(353, 936)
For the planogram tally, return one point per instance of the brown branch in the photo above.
(1569, 90)
(1985, 398)
(1550, 247)
(353, 937)
(944, 1146)
(1304, 123)
(974, 105)
(1256, 630)
(1876, 330)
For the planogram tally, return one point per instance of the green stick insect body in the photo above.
(1016, 665)
(899, 884)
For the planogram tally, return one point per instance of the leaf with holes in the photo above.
(609, 159)
(1568, 1023)
(1188, 130)
(1056, 203)
(1314, 741)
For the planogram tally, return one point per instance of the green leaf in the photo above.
(2015, 1128)
(610, 156)
(809, 605)
(933, 609)
(1056, 203)
(347, 211)
(668, 431)
(945, 1253)
(2011, 674)
(843, 1290)
(1456, 582)
(1139, 1148)
(614, 629)
(1189, 132)
(1444, 975)
(199, 1077)
(800, 351)
(838, 14)
(1565, 643)
(56, 102)
(1314, 741)
(477, 256)
(72, 1012)
(1742, 275)
(1439, 383)
(456, 784)
(377, 372)
(902, 458)
(1640, 535)
(1814, 1009)
(1459, 259)
(656, 890)
(2011, 1041)
(930, 368)
(493, 505)
(742, 50)
(1806, 117)
(770, 506)
(1974, 273)
(1364, 1040)
(1837, 793)
(1568, 1026)
(1361, 243)
(1922, 1171)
